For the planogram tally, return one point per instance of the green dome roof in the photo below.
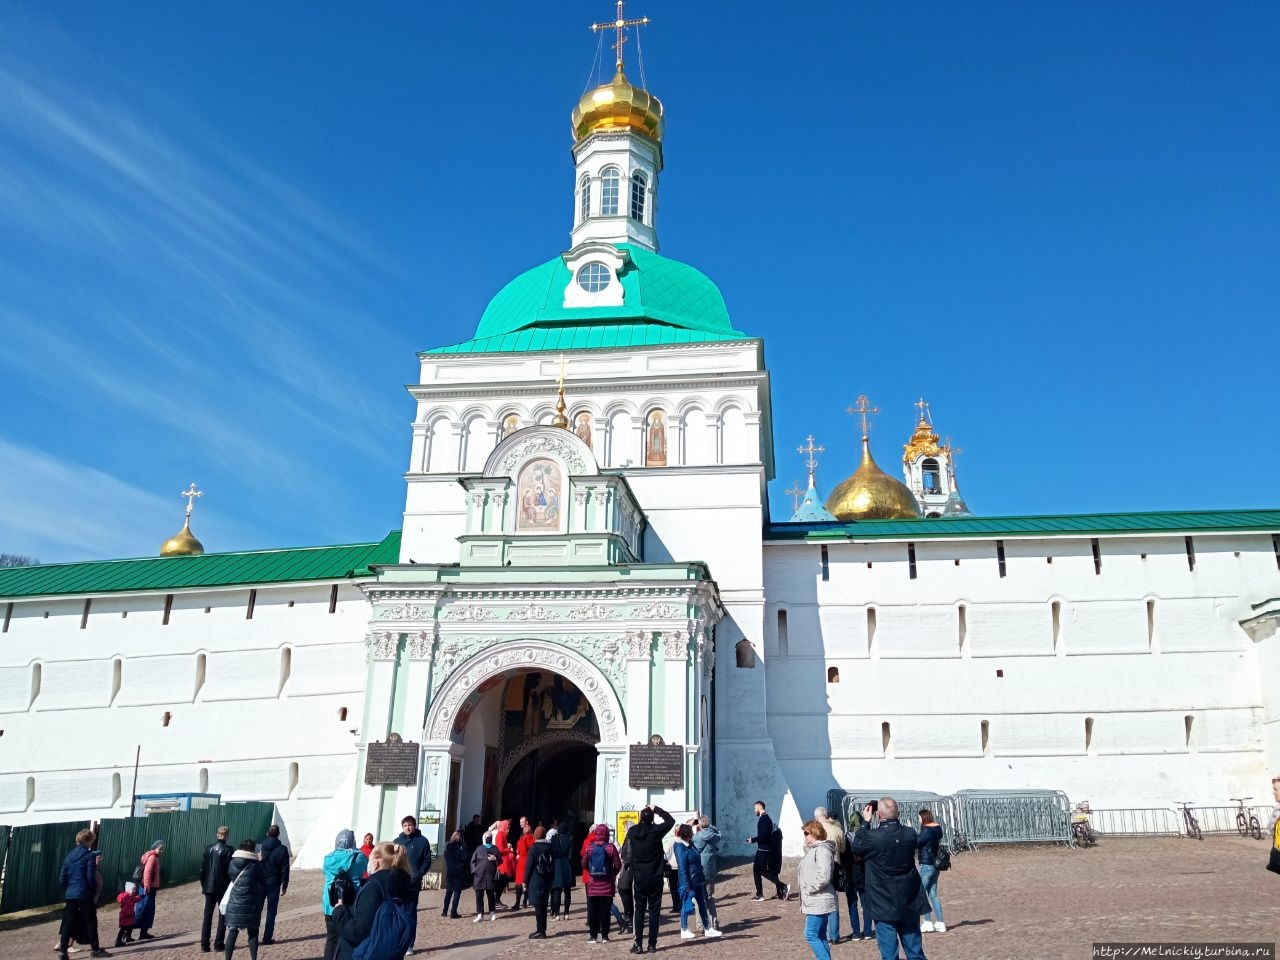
(664, 301)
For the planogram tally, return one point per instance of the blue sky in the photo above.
(225, 229)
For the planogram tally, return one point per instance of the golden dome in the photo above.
(923, 442)
(871, 494)
(617, 106)
(182, 544)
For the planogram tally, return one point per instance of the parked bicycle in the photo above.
(1246, 823)
(1081, 831)
(1189, 821)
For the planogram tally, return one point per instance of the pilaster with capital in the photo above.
(677, 684)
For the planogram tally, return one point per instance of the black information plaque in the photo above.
(656, 765)
(392, 762)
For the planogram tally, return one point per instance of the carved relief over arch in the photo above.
(496, 660)
(554, 441)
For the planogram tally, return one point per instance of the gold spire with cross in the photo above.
(795, 493)
(620, 25)
(184, 543)
(560, 420)
(862, 408)
(926, 415)
(812, 461)
(190, 494)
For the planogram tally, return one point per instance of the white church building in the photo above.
(588, 561)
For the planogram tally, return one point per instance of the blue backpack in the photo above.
(390, 935)
(598, 864)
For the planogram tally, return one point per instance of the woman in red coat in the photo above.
(522, 865)
(600, 867)
(507, 857)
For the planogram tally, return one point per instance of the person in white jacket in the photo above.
(817, 894)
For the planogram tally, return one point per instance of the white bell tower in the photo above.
(928, 467)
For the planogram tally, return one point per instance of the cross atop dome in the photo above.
(620, 25)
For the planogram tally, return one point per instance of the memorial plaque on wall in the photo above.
(656, 765)
(392, 762)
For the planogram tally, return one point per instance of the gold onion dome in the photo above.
(182, 544)
(617, 106)
(871, 494)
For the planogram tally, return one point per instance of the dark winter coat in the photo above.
(417, 849)
(688, 866)
(626, 877)
(248, 891)
(537, 886)
(562, 851)
(213, 868)
(355, 922)
(647, 862)
(927, 840)
(78, 876)
(894, 893)
(484, 872)
(275, 862)
(457, 865)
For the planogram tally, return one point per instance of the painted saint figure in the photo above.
(582, 427)
(655, 454)
(510, 424)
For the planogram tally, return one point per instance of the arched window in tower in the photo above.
(639, 187)
(584, 198)
(610, 184)
(655, 443)
(931, 476)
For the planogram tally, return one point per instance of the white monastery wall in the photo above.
(219, 702)
(1128, 685)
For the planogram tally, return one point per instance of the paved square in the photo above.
(1025, 903)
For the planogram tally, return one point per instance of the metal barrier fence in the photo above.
(34, 858)
(910, 803)
(1135, 822)
(1221, 821)
(1011, 816)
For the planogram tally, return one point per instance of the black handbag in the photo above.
(1274, 863)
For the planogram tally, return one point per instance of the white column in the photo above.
(715, 428)
(418, 449)
(611, 765)
(379, 700)
(637, 646)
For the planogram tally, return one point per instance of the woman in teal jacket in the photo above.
(344, 857)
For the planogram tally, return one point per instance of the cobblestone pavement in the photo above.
(1025, 903)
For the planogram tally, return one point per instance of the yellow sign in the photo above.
(626, 819)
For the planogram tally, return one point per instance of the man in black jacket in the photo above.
(894, 898)
(417, 849)
(766, 865)
(213, 881)
(645, 843)
(275, 864)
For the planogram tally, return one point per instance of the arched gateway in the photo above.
(537, 659)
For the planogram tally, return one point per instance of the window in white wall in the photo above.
(826, 563)
(37, 675)
(342, 713)
(1097, 555)
(931, 476)
(286, 668)
(115, 789)
(31, 792)
(911, 561)
(478, 445)
(584, 198)
(697, 438)
(441, 456)
(833, 674)
(986, 738)
(639, 187)
(1191, 553)
(734, 429)
(783, 639)
(293, 779)
(117, 669)
(1088, 735)
(1151, 625)
(962, 626)
(1188, 724)
(745, 655)
(871, 632)
(201, 667)
(203, 781)
(886, 739)
(622, 440)
(1056, 617)
(610, 179)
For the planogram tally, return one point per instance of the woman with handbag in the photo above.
(242, 903)
(148, 875)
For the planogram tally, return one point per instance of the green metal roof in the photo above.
(164, 574)
(1079, 524)
(664, 301)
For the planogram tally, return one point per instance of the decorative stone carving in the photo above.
(499, 500)
(580, 497)
(637, 646)
(447, 656)
(595, 611)
(567, 450)
(526, 654)
(403, 611)
(382, 645)
(602, 497)
(468, 613)
(706, 651)
(477, 499)
(653, 611)
(675, 645)
(534, 612)
(420, 645)
(434, 765)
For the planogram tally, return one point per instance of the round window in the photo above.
(594, 277)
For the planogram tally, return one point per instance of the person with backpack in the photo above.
(928, 841)
(539, 874)
(275, 859)
(484, 875)
(767, 836)
(378, 924)
(344, 871)
(147, 874)
(244, 898)
(692, 883)
(417, 851)
(561, 841)
(213, 883)
(707, 842)
(600, 866)
(645, 840)
(457, 874)
(78, 879)
(839, 879)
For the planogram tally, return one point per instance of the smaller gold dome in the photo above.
(182, 544)
(617, 106)
(923, 442)
(871, 494)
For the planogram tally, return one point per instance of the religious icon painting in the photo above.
(655, 445)
(510, 424)
(582, 427)
(539, 497)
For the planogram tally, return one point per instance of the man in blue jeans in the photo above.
(275, 864)
(894, 897)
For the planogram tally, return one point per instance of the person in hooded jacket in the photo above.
(817, 893)
(388, 880)
(562, 882)
(539, 874)
(691, 883)
(248, 893)
(346, 857)
(484, 875)
(707, 840)
(275, 867)
(601, 884)
(213, 883)
(78, 879)
(150, 887)
(457, 874)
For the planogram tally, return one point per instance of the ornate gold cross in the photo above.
(620, 25)
(862, 407)
(812, 461)
(794, 492)
(191, 493)
(924, 410)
